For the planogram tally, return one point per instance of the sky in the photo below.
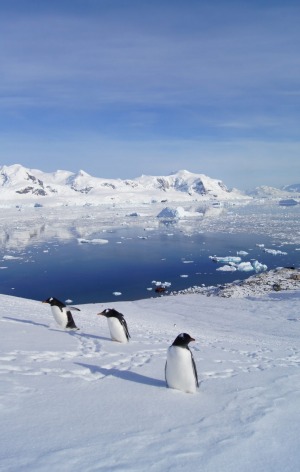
(121, 88)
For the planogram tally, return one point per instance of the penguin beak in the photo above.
(99, 314)
(192, 339)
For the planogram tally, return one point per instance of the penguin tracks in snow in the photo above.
(93, 357)
(90, 361)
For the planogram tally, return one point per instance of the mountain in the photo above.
(64, 187)
(275, 193)
(294, 188)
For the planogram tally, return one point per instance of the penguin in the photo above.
(180, 368)
(62, 313)
(117, 325)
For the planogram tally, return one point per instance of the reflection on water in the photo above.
(40, 255)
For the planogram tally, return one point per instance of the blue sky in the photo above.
(121, 88)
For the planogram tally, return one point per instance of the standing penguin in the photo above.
(180, 368)
(62, 313)
(117, 325)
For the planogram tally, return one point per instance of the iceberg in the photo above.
(245, 267)
(227, 268)
(168, 212)
(92, 241)
(242, 253)
(259, 267)
(226, 259)
(275, 252)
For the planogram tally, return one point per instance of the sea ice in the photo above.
(92, 241)
(227, 268)
(275, 252)
(226, 259)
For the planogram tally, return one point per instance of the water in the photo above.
(130, 262)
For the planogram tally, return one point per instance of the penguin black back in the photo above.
(62, 313)
(112, 313)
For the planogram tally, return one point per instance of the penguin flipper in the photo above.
(195, 370)
(73, 308)
(124, 324)
(166, 374)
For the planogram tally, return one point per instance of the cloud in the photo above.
(67, 60)
(209, 86)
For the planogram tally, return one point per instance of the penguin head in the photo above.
(110, 312)
(183, 340)
(53, 302)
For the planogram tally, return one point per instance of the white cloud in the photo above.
(210, 88)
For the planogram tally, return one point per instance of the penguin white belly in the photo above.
(60, 316)
(179, 370)
(116, 330)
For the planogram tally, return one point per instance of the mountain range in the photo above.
(33, 186)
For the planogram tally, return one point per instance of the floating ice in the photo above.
(245, 267)
(11, 258)
(259, 267)
(92, 241)
(162, 284)
(227, 268)
(275, 252)
(117, 294)
(226, 259)
(242, 253)
(168, 212)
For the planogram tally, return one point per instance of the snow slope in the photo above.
(76, 401)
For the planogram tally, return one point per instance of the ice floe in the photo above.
(92, 241)
(275, 252)
(226, 259)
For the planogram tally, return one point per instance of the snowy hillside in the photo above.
(292, 188)
(275, 193)
(76, 401)
(62, 187)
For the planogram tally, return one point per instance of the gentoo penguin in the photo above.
(180, 368)
(62, 313)
(117, 325)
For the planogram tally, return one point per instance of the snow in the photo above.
(76, 401)
(32, 187)
(79, 401)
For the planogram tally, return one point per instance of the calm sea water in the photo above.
(129, 264)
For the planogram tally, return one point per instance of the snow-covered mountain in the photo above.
(295, 188)
(28, 185)
(275, 193)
